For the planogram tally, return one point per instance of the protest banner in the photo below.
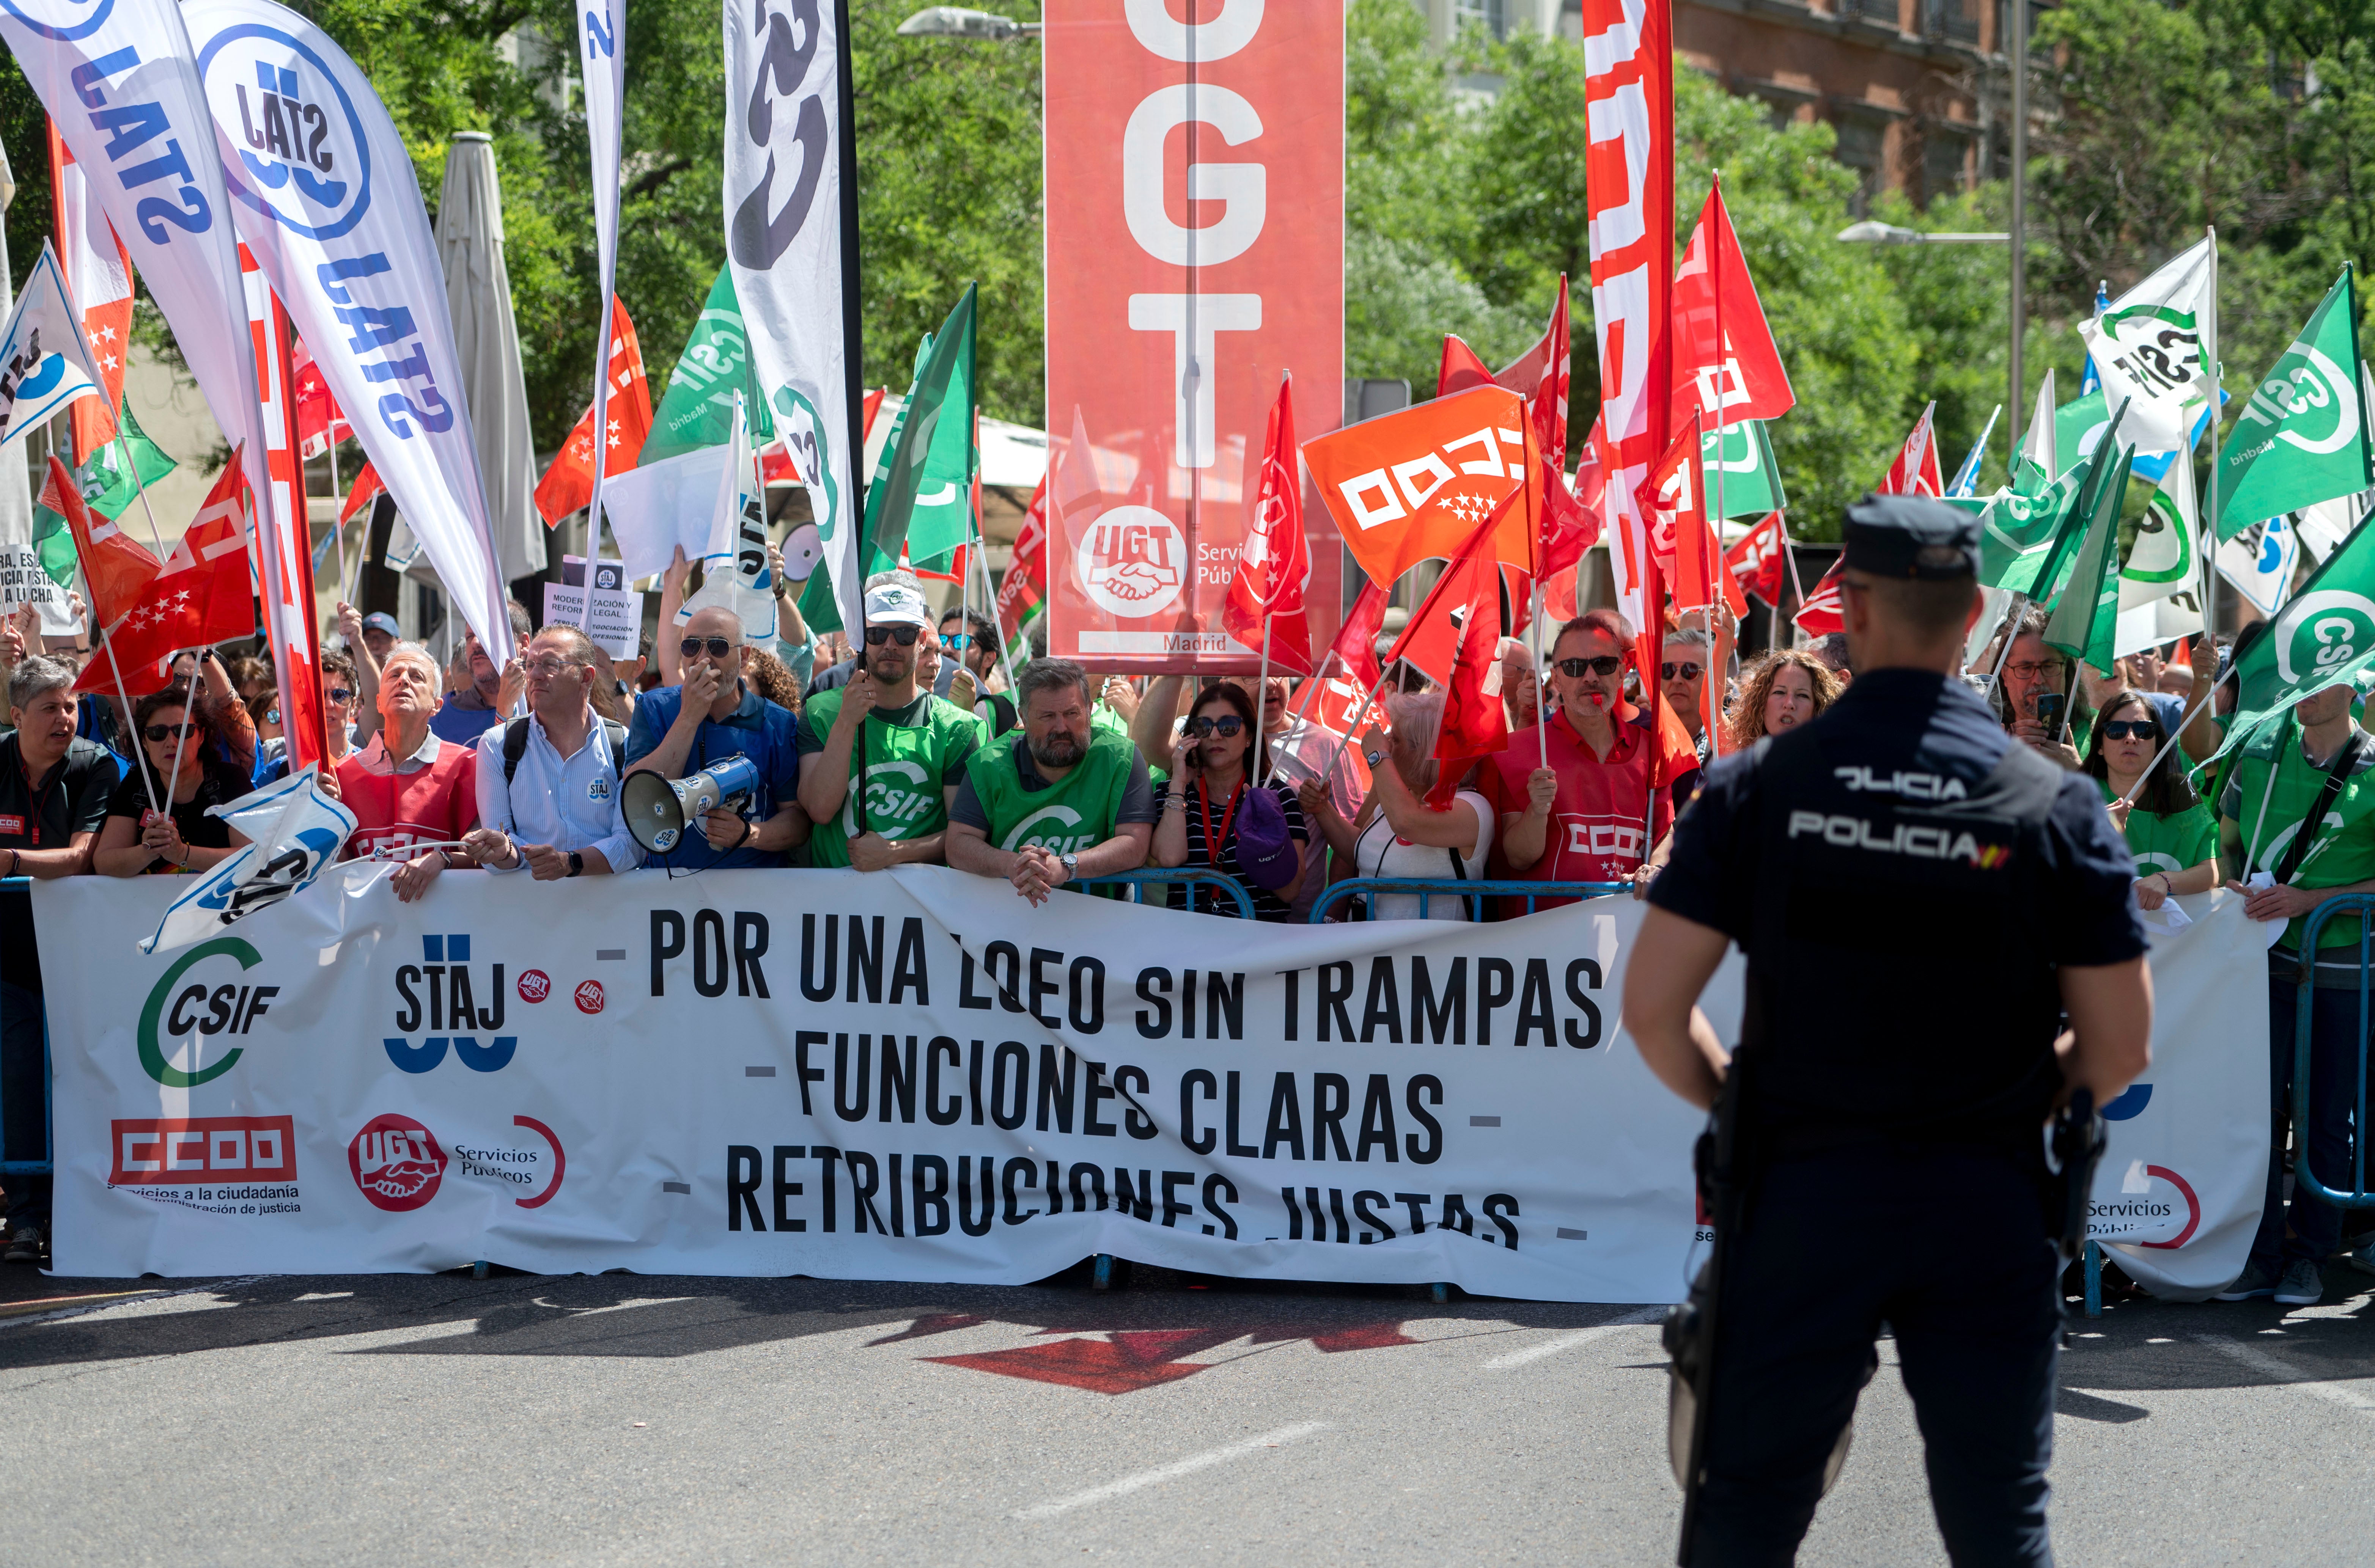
(1184, 276)
(24, 581)
(883, 1077)
(616, 624)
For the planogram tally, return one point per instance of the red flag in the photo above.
(1356, 640)
(1914, 472)
(1822, 614)
(99, 272)
(1668, 499)
(1432, 640)
(1025, 583)
(366, 488)
(320, 421)
(1274, 560)
(568, 485)
(1712, 285)
(202, 595)
(1460, 369)
(1757, 559)
(115, 568)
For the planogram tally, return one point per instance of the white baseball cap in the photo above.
(896, 604)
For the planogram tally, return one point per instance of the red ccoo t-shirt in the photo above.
(1595, 833)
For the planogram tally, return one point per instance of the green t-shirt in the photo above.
(1074, 813)
(2343, 848)
(911, 756)
(2177, 842)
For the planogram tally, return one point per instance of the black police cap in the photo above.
(1885, 535)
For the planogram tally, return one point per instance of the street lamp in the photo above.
(956, 22)
(1873, 232)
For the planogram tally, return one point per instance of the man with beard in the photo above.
(1059, 801)
(880, 760)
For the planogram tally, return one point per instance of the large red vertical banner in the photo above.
(1629, 179)
(1195, 198)
(283, 529)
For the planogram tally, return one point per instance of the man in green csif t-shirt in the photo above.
(1061, 800)
(880, 758)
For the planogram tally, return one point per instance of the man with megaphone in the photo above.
(715, 725)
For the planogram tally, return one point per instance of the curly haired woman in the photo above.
(1785, 688)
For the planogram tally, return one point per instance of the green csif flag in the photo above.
(2087, 614)
(697, 410)
(118, 471)
(1751, 481)
(920, 497)
(2323, 634)
(2301, 438)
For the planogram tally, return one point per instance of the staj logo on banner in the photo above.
(441, 992)
(306, 162)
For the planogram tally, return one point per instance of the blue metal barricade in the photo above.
(1449, 886)
(11, 1161)
(2354, 1195)
(1137, 882)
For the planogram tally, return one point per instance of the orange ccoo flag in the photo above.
(1413, 485)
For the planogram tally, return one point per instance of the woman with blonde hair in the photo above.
(1786, 688)
(1396, 834)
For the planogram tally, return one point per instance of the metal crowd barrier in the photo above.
(2356, 1194)
(1138, 881)
(10, 1162)
(1450, 887)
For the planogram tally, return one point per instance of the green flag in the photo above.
(2088, 611)
(2323, 634)
(108, 480)
(2301, 438)
(1752, 482)
(923, 482)
(2034, 526)
(2078, 425)
(697, 410)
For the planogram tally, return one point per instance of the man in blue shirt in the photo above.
(679, 730)
(547, 785)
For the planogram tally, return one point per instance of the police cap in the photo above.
(1886, 536)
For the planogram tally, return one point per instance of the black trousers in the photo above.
(1947, 1247)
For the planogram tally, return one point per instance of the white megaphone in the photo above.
(658, 809)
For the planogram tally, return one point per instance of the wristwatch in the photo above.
(1072, 866)
(576, 862)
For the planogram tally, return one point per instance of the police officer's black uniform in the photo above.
(1904, 879)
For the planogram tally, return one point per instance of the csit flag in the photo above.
(2302, 437)
(293, 831)
(1264, 605)
(2147, 346)
(44, 362)
(568, 486)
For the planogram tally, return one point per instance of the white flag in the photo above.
(293, 830)
(324, 194)
(735, 574)
(2163, 562)
(2147, 347)
(44, 361)
(784, 242)
(602, 27)
(2260, 562)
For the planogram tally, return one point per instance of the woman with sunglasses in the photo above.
(1198, 807)
(1785, 688)
(177, 754)
(2170, 830)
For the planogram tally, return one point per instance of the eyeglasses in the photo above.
(1687, 671)
(552, 665)
(2132, 729)
(903, 635)
(1603, 667)
(341, 696)
(1224, 726)
(691, 646)
(167, 732)
(2036, 671)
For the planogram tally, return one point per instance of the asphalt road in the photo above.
(637, 1419)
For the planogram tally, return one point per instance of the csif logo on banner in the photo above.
(441, 992)
(201, 1010)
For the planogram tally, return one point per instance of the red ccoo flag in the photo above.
(1914, 472)
(1265, 602)
(1455, 637)
(1758, 561)
(568, 485)
(1822, 614)
(202, 597)
(1712, 285)
(1460, 367)
(115, 568)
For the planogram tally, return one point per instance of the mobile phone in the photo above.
(2049, 709)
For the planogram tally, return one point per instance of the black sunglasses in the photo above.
(903, 634)
(2132, 729)
(339, 695)
(691, 646)
(167, 732)
(1687, 671)
(1603, 667)
(1224, 726)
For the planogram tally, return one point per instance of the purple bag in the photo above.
(1265, 848)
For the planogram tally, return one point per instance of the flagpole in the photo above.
(1715, 273)
(140, 487)
(338, 524)
(1542, 712)
(189, 703)
(2191, 714)
(2217, 376)
(1005, 653)
(147, 783)
(1797, 585)
(1359, 714)
(1261, 704)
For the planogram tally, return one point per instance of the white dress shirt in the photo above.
(570, 803)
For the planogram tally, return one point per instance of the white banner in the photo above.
(784, 241)
(855, 1076)
(120, 81)
(324, 194)
(24, 582)
(2176, 1198)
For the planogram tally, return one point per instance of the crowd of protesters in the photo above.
(906, 744)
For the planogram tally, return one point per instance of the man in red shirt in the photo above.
(409, 787)
(1602, 810)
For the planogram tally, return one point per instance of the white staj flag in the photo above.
(44, 361)
(602, 26)
(293, 831)
(784, 241)
(2260, 562)
(735, 576)
(323, 191)
(2147, 347)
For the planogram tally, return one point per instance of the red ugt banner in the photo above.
(1195, 180)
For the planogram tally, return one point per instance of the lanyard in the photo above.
(1228, 814)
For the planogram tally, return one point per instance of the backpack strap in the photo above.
(514, 747)
(2345, 760)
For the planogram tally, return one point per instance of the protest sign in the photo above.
(23, 580)
(617, 625)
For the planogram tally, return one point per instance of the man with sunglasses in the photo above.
(547, 783)
(881, 759)
(1602, 810)
(714, 714)
(1682, 679)
(1868, 864)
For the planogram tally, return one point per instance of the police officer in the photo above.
(1921, 902)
